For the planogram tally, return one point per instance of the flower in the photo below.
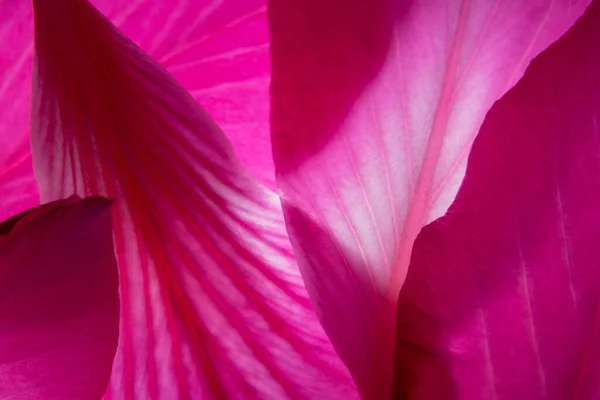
(373, 110)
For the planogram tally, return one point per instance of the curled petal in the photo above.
(218, 50)
(59, 301)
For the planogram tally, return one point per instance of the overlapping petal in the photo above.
(374, 108)
(219, 51)
(502, 296)
(212, 303)
(59, 301)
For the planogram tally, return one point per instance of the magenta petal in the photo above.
(219, 52)
(502, 296)
(217, 49)
(375, 105)
(18, 190)
(213, 305)
(59, 302)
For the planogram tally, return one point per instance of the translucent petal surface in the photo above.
(375, 105)
(501, 298)
(59, 302)
(217, 49)
(212, 303)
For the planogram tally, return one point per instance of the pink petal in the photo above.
(502, 295)
(218, 50)
(375, 105)
(17, 185)
(213, 305)
(59, 302)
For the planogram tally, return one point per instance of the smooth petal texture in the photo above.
(213, 305)
(59, 301)
(502, 294)
(374, 108)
